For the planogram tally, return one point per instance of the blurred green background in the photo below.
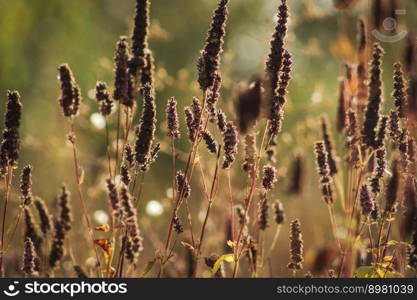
(38, 35)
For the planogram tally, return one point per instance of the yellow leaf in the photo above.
(388, 258)
(230, 258)
(231, 244)
(392, 243)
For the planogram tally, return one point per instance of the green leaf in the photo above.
(366, 272)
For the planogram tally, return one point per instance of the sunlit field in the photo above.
(208, 138)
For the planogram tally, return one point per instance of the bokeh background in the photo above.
(38, 35)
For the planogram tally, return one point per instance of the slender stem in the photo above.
(174, 168)
(334, 226)
(117, 141)
(210, 203)
(108, 148)
(8, 181)
(232, 217)
(274, 241)
(81, 197)
(190, 161)
(247, 206)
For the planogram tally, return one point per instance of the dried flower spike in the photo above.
(57, 247)
(172, 119)
(183, 187)
(113, 200)
(178, 225)
(279, 99)
(103, 98)
(221, 121)
(326, 134)
(323, 171)
(366, 200)
(296, 246)
(375, 100)
(250, 155)
(213, 97)
(263, 214)
(9, 149)
(134, 238)
(29, 257)
(297, 176)
(210, 142)
(145, 132)
(65, 216)
(274, 60)
(123, 90)
(208, 63)
(26, 185)
(44, 215)
(230, 141)
(70, 92)
(140, 36)
(32, 230)
(269, 177)
(279, 212)
(399, 93)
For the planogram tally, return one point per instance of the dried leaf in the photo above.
(107, 248)
(103, 227)
(187, 246)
